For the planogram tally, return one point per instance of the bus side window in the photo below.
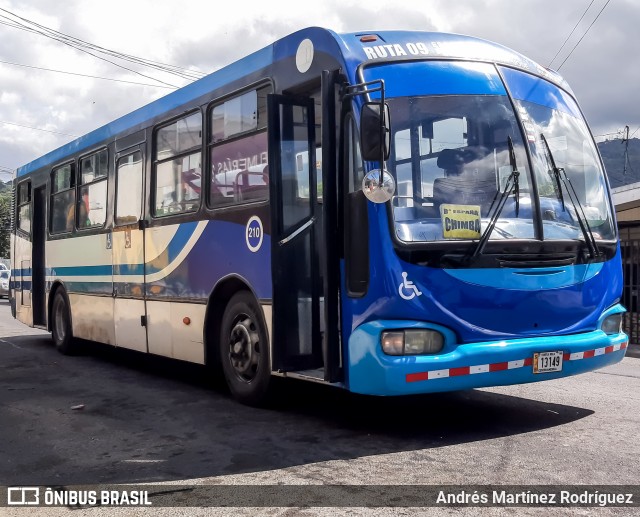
(356, 234)
(238, 148)
(63, 199)
(129, 189)
(23, 207)
(178, 166)
(93, 190)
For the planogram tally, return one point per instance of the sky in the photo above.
(41, 110)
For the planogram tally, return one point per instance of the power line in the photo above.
(82, 45)
(62, 40)
(585, 33)
(85, 75)
(38, 128)
(571, 33)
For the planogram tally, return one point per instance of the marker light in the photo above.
(612, 324)
(412, 342)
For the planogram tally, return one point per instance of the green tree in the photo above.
(5, 222)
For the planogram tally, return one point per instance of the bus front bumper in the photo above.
(471, 365)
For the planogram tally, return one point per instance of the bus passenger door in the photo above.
(127, 242)
(38, 263)
(296, 339)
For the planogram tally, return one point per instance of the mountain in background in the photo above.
(612, 152)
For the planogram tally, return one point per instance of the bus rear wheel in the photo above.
(244, 350)
(61, 331)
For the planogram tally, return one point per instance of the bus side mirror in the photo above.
(374, 132)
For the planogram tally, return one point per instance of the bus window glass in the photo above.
(93, 167)
(451, 124)
(24, 207)
(246, 112)
(62, 211)
(547, 110)
(93, 190)
(178, 167)
(62, 178)
(355, 167)
(24, 218)
(91, 205)
(178, 185)
(129, 189)
(63, 199)
(176, 138)
(296, 202)
(239, 171)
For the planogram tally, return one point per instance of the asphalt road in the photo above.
(150, 420)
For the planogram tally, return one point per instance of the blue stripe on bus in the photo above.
(80, 270)
(193, 277)
(174, 248)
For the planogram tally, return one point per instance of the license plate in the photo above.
(545, 362)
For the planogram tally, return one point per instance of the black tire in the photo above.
(244, 350)
(61, 330)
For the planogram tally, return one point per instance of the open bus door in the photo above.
(296, 336)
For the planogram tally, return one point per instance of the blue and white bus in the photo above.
(389, 212)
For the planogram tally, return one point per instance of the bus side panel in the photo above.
(176, 330)
(92, 318)
(83, 265)
(184, 262)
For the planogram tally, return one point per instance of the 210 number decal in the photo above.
(254, 233)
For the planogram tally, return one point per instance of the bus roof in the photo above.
(349, 49)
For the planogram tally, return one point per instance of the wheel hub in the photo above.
(244, 350)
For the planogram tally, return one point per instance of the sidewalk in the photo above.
(9, 326)
(633, 351)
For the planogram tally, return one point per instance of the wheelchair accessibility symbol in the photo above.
(407, 289)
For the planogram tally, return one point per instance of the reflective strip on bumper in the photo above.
(510, 365)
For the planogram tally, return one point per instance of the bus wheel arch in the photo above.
(237, 341)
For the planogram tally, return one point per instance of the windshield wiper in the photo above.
(562, 178)
(512, 185)
(553, 171)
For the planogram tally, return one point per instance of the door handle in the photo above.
(297, 232)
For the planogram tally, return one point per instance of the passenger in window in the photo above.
(83, 211)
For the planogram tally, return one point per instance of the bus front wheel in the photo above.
(244, 350)
(61, 331)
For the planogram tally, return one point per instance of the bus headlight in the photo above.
(412, 342)
(612, 324)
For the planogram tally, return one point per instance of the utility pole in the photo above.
(625, 141)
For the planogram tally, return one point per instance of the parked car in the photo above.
(5, 276)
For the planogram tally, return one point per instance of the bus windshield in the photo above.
(451, 127)
(450, 158)
(547, 111)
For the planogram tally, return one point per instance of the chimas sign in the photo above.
(460, 221)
